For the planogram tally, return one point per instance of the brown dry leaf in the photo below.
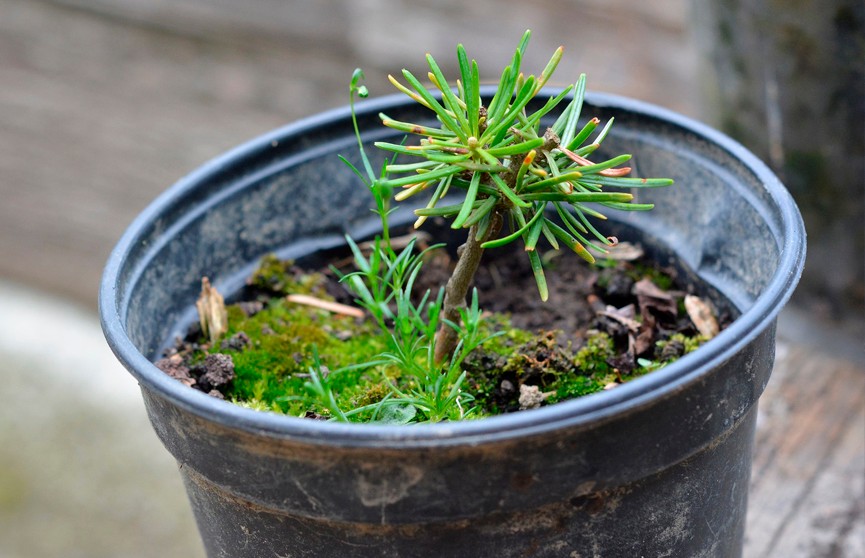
(644, 341)
(624, 316)
(650, 296)
(399, 242)
(702, 315)
(334, 307)
(211, 312)
(623, 251)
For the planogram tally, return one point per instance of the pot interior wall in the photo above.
(289, 193)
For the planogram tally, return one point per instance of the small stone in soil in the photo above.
(530, 397)
(252, 307)
(236, 342)
(174, 367)
(672, 350)
(218, 370)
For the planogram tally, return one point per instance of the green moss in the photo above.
(504, 344)
(591, 370)
(638, 271)
(272, 274)
(634, 270)
(281, 277)
(689, 344)
(576, 386)
(592, 357)
(273, 369)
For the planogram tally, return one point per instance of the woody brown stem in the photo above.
(458, 286)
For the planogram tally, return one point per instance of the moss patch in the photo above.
(273, 343)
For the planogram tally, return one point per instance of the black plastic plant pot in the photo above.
(656, 467)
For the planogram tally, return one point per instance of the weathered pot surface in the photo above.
(656, 467)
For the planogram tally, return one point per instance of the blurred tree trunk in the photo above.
(787, 79)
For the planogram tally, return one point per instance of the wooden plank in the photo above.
(807, 491)
(105, 103)
(830, 521)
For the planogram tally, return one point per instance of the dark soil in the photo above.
(602, 325)
(634, 302)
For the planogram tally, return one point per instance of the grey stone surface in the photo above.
(81, 472)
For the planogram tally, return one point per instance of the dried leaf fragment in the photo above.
(531, 397)
(624, 316)
(211, 312)
(652, 298)
(624, 251)
(702, 315)
(334, 307)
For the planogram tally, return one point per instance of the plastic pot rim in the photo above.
(581, 412)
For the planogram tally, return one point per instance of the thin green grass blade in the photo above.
(608, 164)
(524, 42)
(482, 210)
(538, 272)
(606, 130)
(590, 227)
(507, 192)
(572, 242)
(417, 129)
(504, 92)
(587, 197)
(453, 104)
(533, 234)
(422, 176)
(359, 259)
(471, 91)
(584, 134)
(552, 103)
(549, 69)
(552, 181)
(409, 167)
(468, 203)
(581, 208)
(549, 236)
(498, 131)
(435, 106)
(484, 226)
(629, 182)
(629, 206)
(576, 109)
(515, 149)
(569, 220)
(473, 109)
(353, 169)
(438, 211)
(516, 234)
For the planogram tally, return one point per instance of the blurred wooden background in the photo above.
(105, 103)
